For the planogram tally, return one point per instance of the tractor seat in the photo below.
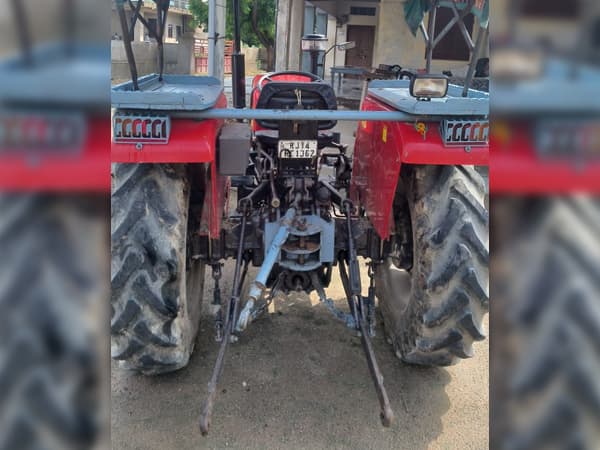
(283, 95)
(269, 138)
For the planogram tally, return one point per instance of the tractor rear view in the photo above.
(282, 193)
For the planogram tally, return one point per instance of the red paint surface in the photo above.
(516, 168)
(220, 189)
(189, 141)
(379, 152)
(86, 171)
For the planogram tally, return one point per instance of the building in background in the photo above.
(565, 26)
(379, 29)
(179, 21)
(179, 39)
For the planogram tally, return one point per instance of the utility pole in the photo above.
(216, 36)
(238, 69)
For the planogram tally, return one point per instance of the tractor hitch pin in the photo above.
(353, 292)
(207, 408)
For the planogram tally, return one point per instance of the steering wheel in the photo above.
(268, 76)
(405, 73)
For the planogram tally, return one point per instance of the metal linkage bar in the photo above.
(259, 285)
(481, 38)
(432, 40)
(230, 316)
(162, 10)
(458, 18)
(127, 38)
(352, 288)
(304, 114)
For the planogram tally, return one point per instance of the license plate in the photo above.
(297, 149)
(131, 129)
(465, 132)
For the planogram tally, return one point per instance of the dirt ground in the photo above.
(298, 378)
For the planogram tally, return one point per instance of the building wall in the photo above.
(358, 19)
(251, 56)
(178, 54)
(562, 33)
(395, 44)
(332, 58)
(178, 59)
(174, 19)
(290, 24)
(341, 32)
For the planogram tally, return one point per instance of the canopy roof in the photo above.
(414, 10)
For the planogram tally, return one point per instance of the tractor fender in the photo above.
(83, 167)
(190, 141)
(380, 150)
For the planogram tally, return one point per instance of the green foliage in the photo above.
(257, 20)
(199, 10)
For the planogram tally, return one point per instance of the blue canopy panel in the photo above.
(174, 93)
(396, 93)
(415, 10)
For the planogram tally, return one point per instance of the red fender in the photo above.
(87, 170)
(380, 150)
(518, 169)
(190, 141)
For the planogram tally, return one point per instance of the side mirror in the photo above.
(346, 45)
(429, 86)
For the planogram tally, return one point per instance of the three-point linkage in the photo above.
(228, 327)
(361, 316)
(362, 309)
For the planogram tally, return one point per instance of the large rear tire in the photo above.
(156, 285)
(546, 327)
(52, 299)
(433, 309)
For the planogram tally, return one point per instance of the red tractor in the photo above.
(282, 193)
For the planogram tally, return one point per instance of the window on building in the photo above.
(550, 9)
(452, 47)
(362, 11)
(178, 31)
(153, 24)
(170, 31)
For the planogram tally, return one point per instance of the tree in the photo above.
(257, 23)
